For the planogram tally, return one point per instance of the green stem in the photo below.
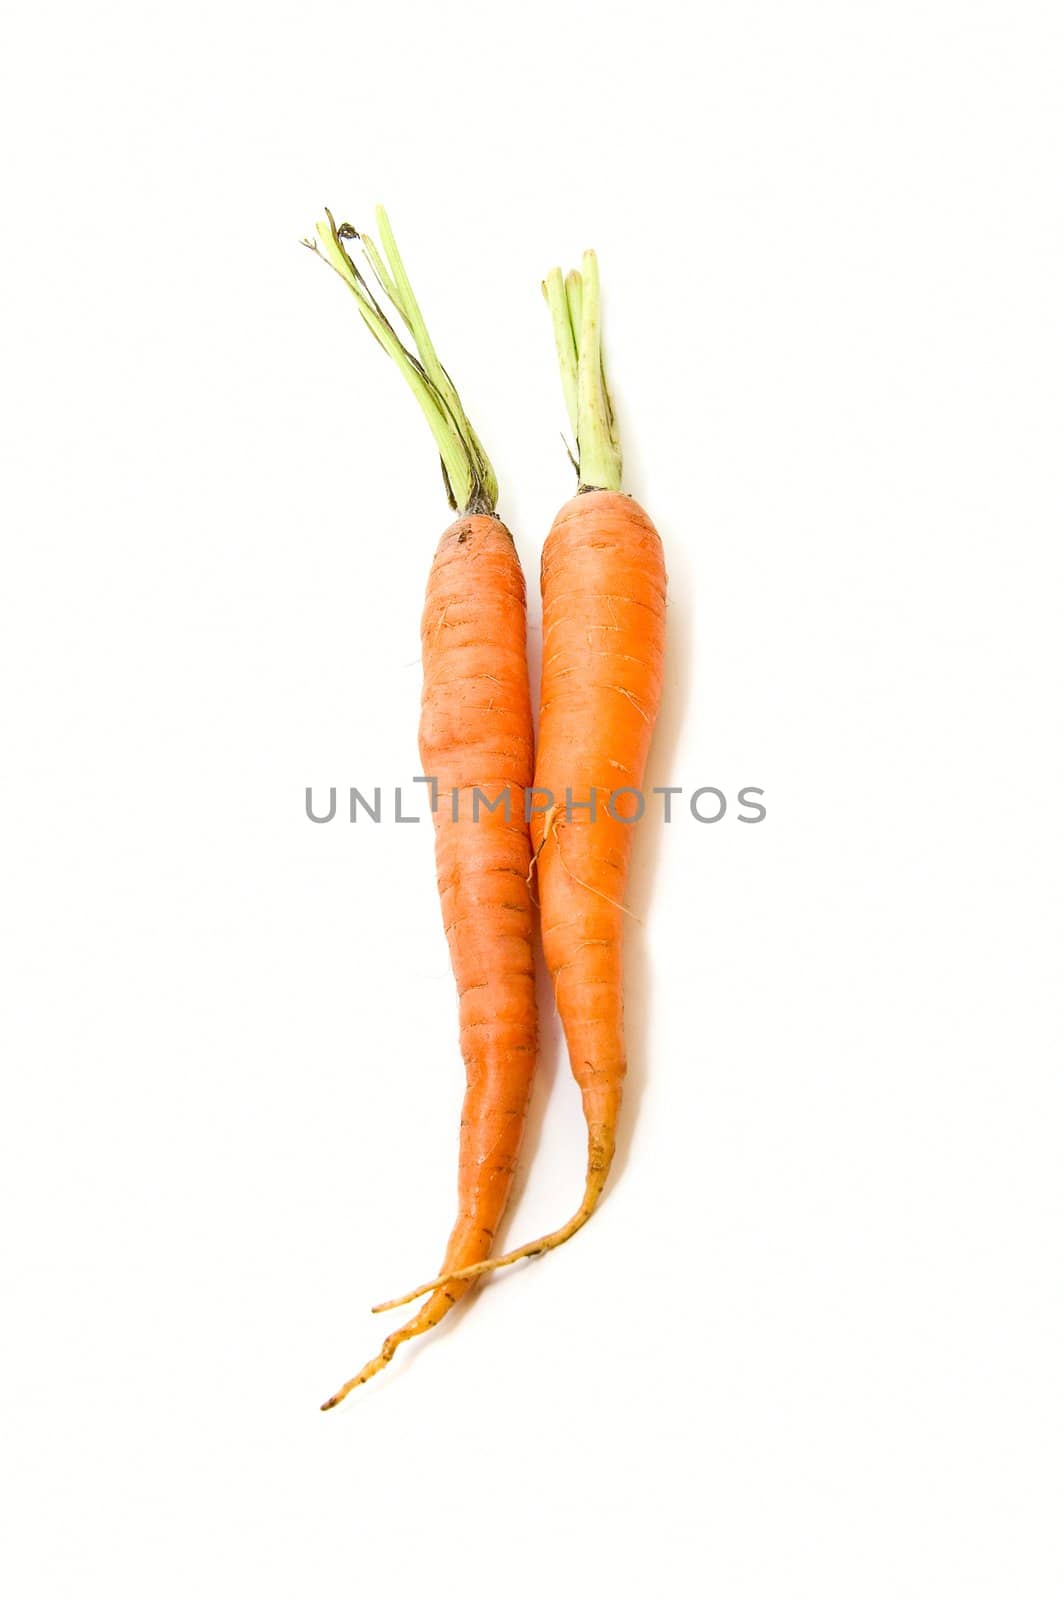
(574, 294)
(468, 474)
(431, 361)
(564, 342)
(576, 314)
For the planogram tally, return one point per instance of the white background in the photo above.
(811, 1346)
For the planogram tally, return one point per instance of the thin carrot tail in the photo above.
(430, 1314)
(600, 1157)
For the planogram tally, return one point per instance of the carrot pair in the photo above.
(603, 585)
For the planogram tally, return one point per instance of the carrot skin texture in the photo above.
(476, 734)
(603, 583)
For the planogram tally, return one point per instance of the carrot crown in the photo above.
(576, 314)
(467, 472)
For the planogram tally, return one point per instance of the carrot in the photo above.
(476, 742)
(603, 580)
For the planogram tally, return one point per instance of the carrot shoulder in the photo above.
(475, 741)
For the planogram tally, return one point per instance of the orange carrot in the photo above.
(603, 580)
(475, 741)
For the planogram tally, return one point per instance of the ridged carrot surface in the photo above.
(476, 747)
(476, 735)
(603, 649)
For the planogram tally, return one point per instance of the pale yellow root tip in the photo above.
(428, 1317)
(370, 1370)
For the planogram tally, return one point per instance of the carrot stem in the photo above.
(468, 473)
(434, 368)
(565, 342)
(576, 314)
